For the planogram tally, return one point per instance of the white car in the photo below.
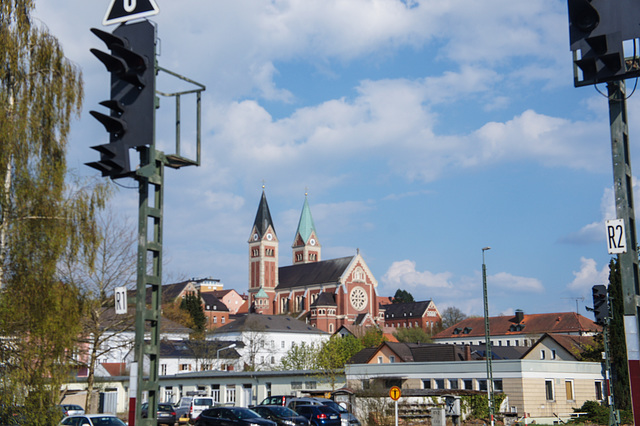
(92, 420)
(198, 404)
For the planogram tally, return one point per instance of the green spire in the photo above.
(305, 225)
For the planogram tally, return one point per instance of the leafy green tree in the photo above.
(403, 296)
(301, 356)
(412, 335)
(43, 217)
(617, 343)
(335, 353)
(372, 337)
(192, 304)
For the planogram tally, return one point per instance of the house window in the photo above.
(222, 319)
(543, 355)
(553, 354)
(548, 388)
(215, 320)
(599, 392)
(163, 369)
(330, 328)
(215, 393)
(392, 359)
(468, 384)
(231, 394)
(379, 360)
(453, 384)
(296, 385)
(282, 344)
(426, 384)
(439, 383)
(482, 385)
(310, 385)
(185, 367)
(497, 385)
(568, 385)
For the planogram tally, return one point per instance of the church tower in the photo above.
(306, 248)
(263, 261)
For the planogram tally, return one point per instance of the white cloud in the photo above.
(506, 281)
(403, 274)
(588, 276)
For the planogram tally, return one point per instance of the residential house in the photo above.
(216, 312)
(422, 315)
(517, 330)
(267, 338)
(534, 385)
(185, 356)
(232, 299)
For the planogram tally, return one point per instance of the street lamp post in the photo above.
(487, 337)
(233, 345)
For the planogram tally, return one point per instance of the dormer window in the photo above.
(466, 330)
(456, 331)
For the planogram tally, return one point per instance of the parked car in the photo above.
(198, 404)
(320, 415)
(277, 400)
(231, 416)
(92, 420)
(182, 409)
(348, 419)
(166, 414)
(71, 409)
(283, 416)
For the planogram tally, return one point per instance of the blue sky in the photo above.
(422, 131)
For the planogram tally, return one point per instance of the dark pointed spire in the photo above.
(263, 217)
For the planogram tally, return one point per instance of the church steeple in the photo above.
(306, 247)
(263, 260)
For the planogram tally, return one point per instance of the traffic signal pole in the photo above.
(623, 191)
(131, 125)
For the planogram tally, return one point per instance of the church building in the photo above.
(325, 293)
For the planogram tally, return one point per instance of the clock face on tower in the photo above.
(358, 298)
(255, 237)
(269, 236)
(312, 242)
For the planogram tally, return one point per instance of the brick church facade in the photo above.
(326, 293)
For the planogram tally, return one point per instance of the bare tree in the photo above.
(114, 266)
(452, 316)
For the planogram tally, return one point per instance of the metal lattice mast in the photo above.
(623, 190)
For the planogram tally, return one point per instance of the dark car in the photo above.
(348, 419)
(281, 415)
(166, 414)
(231, 416)
(320, 415)
(277, 400)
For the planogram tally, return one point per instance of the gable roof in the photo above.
(563, 322)
(573, 344)
(213, 303)
(199, 349)
(406, 310)
(304, 274)
(268, 323)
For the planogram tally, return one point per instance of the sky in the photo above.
(421, 131)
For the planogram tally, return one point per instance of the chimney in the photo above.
(467, 352)
(519, 316)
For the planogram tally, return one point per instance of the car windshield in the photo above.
(107, 421)
(244, 413)
(281, 411)
(202, 401)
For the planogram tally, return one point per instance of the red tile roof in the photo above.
(563, 322)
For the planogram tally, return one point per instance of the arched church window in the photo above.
(358, 274)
